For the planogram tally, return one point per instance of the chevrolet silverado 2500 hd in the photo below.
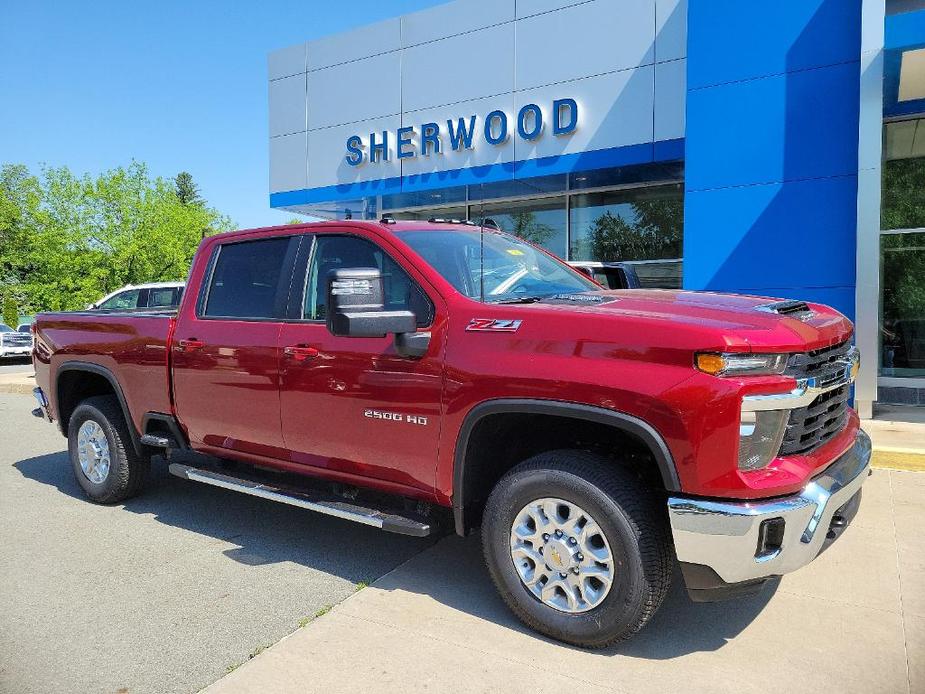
(388, 372)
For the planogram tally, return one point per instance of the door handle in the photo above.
(191, 345)
(300, 352)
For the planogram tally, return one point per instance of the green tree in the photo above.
(655, 232)
(186, 189)
(10, 312)
(67, 240)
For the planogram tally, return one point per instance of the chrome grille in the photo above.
(17, 339)
(811, 426)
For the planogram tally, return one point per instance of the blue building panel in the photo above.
(732, 40)
(782, 235)
(779, 128)
(771, 148)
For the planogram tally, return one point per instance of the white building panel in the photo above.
(288, 163)
(355, 91)
(613, 110)
(526, 8)
(287, 105)
(621, 60)
(480, 154)
(459, 68)
(670, 29)
(327, 153)
(583, 40)
(670, 99)
(454, 18)
(361, 42)
(286, 62)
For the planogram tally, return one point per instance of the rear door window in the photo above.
(250, 279)
(162, 297)
(122, 301)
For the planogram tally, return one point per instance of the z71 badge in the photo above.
(493, 325)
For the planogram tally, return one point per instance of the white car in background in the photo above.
(13, 343)
(154, 296)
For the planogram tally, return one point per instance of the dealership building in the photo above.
(752, 147)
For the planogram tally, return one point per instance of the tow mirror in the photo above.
(355, 306)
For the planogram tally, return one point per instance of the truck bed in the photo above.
(132, 346)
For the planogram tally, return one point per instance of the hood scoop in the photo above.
(797, 309)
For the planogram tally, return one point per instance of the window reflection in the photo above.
(543, 222)
(640, 224)
(902, 327)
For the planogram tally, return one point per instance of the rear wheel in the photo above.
(577, 547)
(105, 462)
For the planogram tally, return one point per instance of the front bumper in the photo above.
(728, 541)
(15, 351)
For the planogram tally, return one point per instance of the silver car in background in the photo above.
(13, 343)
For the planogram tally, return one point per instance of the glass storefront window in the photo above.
(424, 214)
(638, 224)
(903, 205)
(902, 315)
(543, 222)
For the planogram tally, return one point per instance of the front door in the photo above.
(354, 405)
(225, 348)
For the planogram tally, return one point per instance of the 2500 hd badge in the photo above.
(396, 417)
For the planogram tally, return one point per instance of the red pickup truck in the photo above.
(396, 373)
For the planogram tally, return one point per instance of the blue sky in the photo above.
(178, 85)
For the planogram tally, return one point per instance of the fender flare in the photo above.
(589, 413)
(90, 367)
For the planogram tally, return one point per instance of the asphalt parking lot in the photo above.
(165, 593)
(16, 365)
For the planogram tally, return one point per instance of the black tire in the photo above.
(633, 522)
(127, 471)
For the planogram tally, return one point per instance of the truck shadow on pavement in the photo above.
(262, 531)
(452, 572)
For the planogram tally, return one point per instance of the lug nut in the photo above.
(558, 533)
(561, 575)
(546, 536)
(572, 541)
(581, 557)
(575, 571)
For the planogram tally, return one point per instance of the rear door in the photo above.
(354, 405)
(225, 347)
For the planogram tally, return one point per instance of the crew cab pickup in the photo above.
(400, 374)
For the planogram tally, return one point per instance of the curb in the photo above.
(17, 388)
(904, 459)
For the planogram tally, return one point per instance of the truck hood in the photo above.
(738, 321)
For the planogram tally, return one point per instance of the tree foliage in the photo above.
(67, 240)
(186, 189)
(655, 232)
(10, 312)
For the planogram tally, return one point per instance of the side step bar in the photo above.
(307, 499)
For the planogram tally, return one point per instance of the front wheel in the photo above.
(105, 462)
(577, 547)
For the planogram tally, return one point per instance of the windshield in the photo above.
(511, 270)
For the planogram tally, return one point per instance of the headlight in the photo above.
(741, 364)
(760, 436)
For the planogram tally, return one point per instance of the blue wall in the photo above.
(772, 148)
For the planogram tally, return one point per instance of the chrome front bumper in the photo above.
(724, 536)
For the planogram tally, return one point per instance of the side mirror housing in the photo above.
(355, 306)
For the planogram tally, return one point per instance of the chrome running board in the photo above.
(309, 499)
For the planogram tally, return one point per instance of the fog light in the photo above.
(760, 436)
(770, 538)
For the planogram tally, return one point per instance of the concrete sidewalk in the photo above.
(853, 621)
(17, 382)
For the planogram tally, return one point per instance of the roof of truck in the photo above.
(392, 225)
